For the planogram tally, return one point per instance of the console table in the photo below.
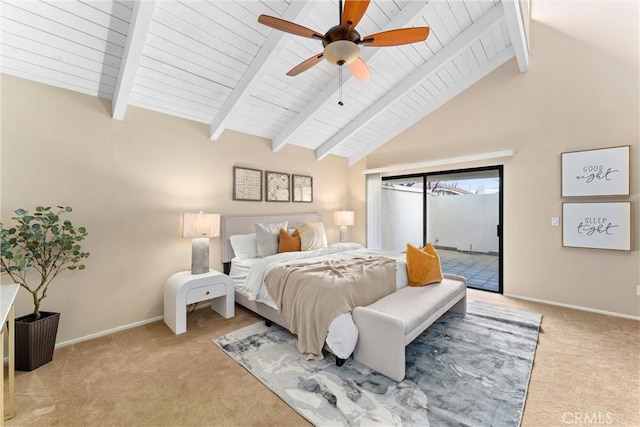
(7, 297)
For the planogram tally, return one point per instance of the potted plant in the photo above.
(35, 251)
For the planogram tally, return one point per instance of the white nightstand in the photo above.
(184, 288)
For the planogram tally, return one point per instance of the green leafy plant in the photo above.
(42, 242)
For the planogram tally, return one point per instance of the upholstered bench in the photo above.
(388, 325)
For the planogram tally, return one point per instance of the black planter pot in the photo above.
(35, 340)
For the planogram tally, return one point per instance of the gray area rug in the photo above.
(470, 370)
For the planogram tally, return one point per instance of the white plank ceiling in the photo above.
(212, 62)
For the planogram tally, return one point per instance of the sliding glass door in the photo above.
(460, 212)
(463, 222)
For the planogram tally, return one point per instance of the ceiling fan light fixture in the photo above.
(342, 42)
(341, 52)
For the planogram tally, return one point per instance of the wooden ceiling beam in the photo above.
(137, 34)
(443, 56)
(410, 11)
(517, 32)
(269, 51)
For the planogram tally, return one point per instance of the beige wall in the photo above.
(128, 182)
(581, 92)
(357, 202)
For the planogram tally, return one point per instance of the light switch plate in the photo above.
(555, 221)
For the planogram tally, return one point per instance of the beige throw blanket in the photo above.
(310, 296)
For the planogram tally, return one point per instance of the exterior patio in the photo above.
(480, 270)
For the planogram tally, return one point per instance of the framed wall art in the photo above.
(597, 225)
(278, 186)
(302, 188)
(247, 184)
(601, 172)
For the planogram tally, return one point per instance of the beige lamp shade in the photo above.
(200, 225)
(343, 218)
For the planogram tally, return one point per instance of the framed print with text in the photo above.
(597, 225)
(600, 172)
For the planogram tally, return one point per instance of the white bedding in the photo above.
(248, 276)
(240, 268)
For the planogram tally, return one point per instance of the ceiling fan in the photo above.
(342, 42)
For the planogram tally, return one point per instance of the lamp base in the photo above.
(343, 234)
(200, 255)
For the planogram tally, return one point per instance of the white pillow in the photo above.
(267, 238)
(244, 246)
(312, 235)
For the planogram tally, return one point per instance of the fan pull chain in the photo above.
(340, 86)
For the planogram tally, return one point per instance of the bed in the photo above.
(248, 274)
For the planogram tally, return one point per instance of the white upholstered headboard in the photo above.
(244, 224)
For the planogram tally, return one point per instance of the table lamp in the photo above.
(343, 219)
(200, 227)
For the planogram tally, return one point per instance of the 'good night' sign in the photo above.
(603, 172)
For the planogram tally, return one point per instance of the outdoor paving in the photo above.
(480, 270)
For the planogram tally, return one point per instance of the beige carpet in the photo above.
(587, 368)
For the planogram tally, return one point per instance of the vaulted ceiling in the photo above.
(212, 62)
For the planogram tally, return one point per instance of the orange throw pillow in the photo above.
(423, 265)
(289, 242)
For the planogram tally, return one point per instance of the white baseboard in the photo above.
(575, 307)
(108, 331)
(121, 328)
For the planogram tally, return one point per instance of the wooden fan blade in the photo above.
(288, 27)
(359, 69)
(397, 37)
(305, 65)
(354, 11)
